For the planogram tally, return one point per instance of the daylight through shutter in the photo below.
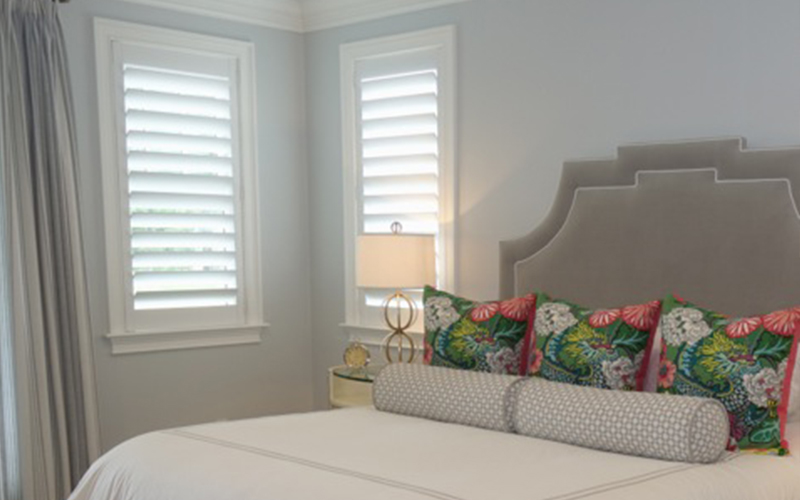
(400, 157)
(181, 188)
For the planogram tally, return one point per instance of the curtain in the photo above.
(48, 417)
(9, 447)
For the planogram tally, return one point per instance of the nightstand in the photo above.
(348, 387)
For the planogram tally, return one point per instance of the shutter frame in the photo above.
(117, 43)
(377, 59)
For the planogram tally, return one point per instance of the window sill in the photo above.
(172, 340)
(373, 336)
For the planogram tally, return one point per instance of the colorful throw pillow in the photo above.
(480, 336)
(745, 363)
(603, 348)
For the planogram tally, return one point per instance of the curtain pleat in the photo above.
(10, 487)
(49, 314)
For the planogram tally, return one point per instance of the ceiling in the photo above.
(297, 15)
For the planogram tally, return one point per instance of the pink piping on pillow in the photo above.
(787, 387)
(641, 377)
(527, 341)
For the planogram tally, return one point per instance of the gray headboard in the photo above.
(709, 220)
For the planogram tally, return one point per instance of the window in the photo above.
(177, 137)
(397, 109)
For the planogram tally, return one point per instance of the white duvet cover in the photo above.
(363, 454)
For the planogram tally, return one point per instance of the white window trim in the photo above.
(350, 54)
(123, 338)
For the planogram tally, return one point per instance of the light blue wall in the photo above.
(540, 81)
(142, 392)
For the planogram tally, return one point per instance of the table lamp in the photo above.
(396, 261)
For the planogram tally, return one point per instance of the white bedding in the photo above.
(363, 454)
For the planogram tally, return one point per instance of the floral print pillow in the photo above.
(745, 363)
(603, 348)
(479, 336)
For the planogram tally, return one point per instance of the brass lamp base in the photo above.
(399, 341)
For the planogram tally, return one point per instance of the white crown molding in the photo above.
(297, 15)
(322, 14)
(281, 14)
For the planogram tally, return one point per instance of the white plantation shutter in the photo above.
(400, 159)
(399, 141)
(181, 188)
(400, 153)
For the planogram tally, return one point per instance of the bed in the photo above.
(362, 453)
(706, 218)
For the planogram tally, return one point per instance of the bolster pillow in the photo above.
(666, 427)
(445, 394)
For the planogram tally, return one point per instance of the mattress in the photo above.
(364, 454)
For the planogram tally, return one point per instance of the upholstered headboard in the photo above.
(707, 219)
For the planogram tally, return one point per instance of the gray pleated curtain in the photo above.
(48, 418)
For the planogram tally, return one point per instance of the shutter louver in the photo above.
(181, 189)
(400, 153)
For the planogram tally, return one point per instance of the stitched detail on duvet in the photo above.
(316, 465)
(574, 495)
(631, 481)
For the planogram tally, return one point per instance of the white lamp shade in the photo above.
(395, 261)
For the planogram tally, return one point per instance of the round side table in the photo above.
(349, 387)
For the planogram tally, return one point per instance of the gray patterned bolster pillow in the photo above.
(666, 427)
(445, 394)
